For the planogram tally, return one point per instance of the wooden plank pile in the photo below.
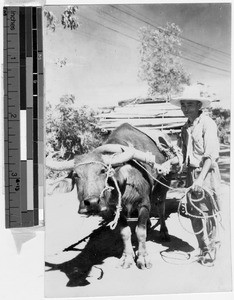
(148, 115)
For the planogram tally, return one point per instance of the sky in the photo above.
(102, 55)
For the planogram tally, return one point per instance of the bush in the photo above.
(71, 130)
(222, 118)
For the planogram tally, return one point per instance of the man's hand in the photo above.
(164, 168)
(197, 185)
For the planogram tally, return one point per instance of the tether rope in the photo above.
(203, 216)
(110, 174)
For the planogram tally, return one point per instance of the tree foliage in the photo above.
(222, 118)
(71, 130)
(160, 63)
(68, 19)
(51, 20)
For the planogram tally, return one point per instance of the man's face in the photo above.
(191, 109)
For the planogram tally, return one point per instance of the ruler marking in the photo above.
(29, 82)
(35, 125)
(30, 204)
(22, 60)
(11, 58)
(23, 95)
(23, 113)
(28, 21)
(30, 133)
(34, 18)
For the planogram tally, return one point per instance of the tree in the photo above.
(68, 19)
(160, 62)
(71, 130)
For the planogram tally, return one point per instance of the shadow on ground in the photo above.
(102, 244)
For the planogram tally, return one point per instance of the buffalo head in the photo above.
(92, 182)
(93, 175)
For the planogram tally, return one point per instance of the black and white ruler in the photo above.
(23, 114)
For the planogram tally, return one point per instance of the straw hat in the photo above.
(192, 93)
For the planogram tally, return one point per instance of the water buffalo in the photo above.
(121, 179)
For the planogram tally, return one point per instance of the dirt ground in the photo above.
(90, 268)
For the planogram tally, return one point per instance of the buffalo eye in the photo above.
(103, 171)
(76, 175)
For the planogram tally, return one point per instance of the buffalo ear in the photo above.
(64, 185)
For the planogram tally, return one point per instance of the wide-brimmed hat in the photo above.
(192, 93)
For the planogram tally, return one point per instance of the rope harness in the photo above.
(182, 207)
(109, 174)
(177, 257)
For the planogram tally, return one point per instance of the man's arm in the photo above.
(198, 183)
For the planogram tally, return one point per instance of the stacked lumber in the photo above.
(157, 115)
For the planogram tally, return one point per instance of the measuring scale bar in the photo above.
(22, 56)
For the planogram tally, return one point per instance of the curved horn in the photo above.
(111, 148)
(118, 158)
(60, 165)
(125, 154)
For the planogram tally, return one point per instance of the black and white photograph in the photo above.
(138, 100)
(116, 149)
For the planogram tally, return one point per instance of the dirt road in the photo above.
(173, 274)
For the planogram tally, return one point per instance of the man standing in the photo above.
(200, 148)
